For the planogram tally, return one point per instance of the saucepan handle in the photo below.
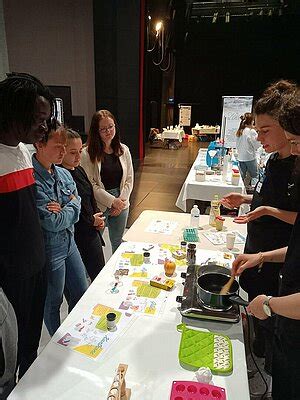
(238, 300)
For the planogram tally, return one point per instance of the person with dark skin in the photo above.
(25, 109)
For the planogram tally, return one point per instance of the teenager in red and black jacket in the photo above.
(25, 107)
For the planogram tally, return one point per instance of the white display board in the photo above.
(233, 108)
(185, 115)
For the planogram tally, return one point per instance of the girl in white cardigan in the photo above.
(108, 165)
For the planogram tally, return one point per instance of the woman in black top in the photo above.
(87, 230)
(276, 190)
(286, 307)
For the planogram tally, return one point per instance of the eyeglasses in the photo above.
(107, 129)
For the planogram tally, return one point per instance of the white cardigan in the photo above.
(103, 198)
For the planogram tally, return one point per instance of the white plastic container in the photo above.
(195, 217)
(200, 176)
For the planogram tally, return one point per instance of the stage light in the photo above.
(227, 17)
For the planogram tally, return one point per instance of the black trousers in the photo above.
(27, 297)
(90, 248)
(286, 368)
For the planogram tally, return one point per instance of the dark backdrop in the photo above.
(117, 61)
(237, 58)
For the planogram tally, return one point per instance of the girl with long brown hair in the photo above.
(108, 165)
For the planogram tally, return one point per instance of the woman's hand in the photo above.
(114, 212)
(256, 307)
(118, 204)
(232, 200)
(244, 261)
(252, 215)
(54, 207)
(99, 222)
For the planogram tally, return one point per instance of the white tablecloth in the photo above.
(149, 347)
(176, 134)
(213, 185)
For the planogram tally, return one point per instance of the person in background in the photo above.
(246, 145)
(59, 208)
(286, 305)
(108, 165)
(87, 230)
(278, 189)
(25, 108)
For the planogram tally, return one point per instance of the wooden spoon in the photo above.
(226, 288)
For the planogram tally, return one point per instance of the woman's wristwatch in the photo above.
(267, 308)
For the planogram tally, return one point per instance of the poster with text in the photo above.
(233, 108)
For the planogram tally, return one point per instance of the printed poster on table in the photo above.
(89, 335)
(161, 227)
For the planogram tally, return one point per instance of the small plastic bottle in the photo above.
(191, 254)
(195, 216)
(214, 210)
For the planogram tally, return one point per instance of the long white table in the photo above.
(149, 347)
(139, 229)
(213, 185)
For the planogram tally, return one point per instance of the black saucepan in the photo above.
(209, 286)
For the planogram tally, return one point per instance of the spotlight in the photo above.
(149, 17)
(158, 26)
(270, 13)
(227, 17)
(261, 13)
(214, 20)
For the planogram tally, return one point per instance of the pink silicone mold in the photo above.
(189, 390)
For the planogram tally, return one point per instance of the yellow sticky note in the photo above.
(148, 291)
(170, 247)
(139, 283)
(89, 350)
(142, 274)
(150, 310)
(100, 309)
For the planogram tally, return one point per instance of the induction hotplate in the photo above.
(191, 306)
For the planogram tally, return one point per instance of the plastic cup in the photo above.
(200, 176)
(235, 179)
(219, 224)
(230, 239)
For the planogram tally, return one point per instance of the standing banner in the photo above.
(185, 115)
(233, 108)
(60, 110)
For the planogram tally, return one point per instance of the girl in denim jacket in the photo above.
(59, 208)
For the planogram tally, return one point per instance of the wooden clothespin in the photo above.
(118, 390)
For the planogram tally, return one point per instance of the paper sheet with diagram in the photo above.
(89, 335)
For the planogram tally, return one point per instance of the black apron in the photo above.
(277, 188)
(286, 344)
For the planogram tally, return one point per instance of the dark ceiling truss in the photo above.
(220, 9)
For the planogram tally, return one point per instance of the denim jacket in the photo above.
(56, 187)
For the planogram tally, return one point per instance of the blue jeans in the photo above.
(250, 167)
(116, 225)
(65, 271)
